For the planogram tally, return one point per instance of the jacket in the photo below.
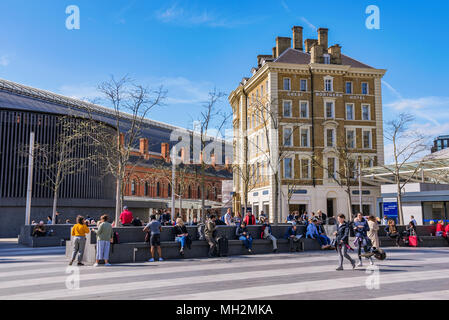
(312, 231)
(342, 233)
(361, 232)
(441, 228)
(239, 231)
(126, 217)
(180, 230)
(104, 231)
(372, 233)
(290, 232)
(249, 221)
(210, 229)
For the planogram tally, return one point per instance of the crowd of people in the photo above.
(302, 225)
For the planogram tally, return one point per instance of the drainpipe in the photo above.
(313, 126)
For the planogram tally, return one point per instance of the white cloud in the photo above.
(431, 116)
(4, 60)
(309, 24)
(82, 91)
(176, 14)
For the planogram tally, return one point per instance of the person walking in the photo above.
(361, 239)
(342, 242)
(79, 231)
(243, 235)
(181, 235)
(209, 234)
(104, 239)
(373, 233)
(154, 229)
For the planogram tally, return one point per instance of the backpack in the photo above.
(263, 232)
(115, 240)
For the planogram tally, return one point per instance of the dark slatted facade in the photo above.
(15, 128)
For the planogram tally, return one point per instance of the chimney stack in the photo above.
(297, 38)
(282, 44)
(165, 151)
(144, 146)
(274, 52)
(335, 53)
(322, 38)
(309, 43)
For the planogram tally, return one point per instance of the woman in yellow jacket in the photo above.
(79, 231)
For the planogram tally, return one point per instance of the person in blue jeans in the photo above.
(181, 235)
(312, 233)
(243, 235)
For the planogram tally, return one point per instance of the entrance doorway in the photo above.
(301, 208)
(330, 207)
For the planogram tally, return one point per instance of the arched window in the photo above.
(189, 196)
(158, 189)
(198, 193)
(133, 187)
(146, 189)
(169, 190)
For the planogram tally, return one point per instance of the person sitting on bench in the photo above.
(293, 236)
(267, 232)
(312, 233)
(39, 230)
(181, 235)
(244, 236)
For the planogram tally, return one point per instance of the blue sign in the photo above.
(391, 210)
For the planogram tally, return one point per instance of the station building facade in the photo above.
(25, 109)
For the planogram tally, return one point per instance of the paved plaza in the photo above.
(407, 273)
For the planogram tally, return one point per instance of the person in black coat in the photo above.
(341, 241)
(182, 235)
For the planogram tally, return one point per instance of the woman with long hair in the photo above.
(181, 235)
(393, 232)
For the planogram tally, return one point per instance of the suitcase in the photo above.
(413, 241)
(222, 246)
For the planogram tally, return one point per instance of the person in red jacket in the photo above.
(440, 229)
(126, 217)
(446, 230)
(249, 219)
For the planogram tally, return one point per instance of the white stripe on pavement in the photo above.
(155, 283)
(429, 295)
(305, 287)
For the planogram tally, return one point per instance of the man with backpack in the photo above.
(154, 229)
(266, 233)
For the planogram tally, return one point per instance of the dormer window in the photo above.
(326, 59)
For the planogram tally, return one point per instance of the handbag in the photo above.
(413, 241)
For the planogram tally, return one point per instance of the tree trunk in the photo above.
(399, 201)
(55, 204)
(276, 200)
(351, 214)
(118, 206)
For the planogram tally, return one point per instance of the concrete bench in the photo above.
(60, 234)
(428, 241)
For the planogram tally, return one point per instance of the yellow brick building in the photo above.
(306, 109)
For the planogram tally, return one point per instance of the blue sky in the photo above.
(193, 46)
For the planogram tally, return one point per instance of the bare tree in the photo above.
(212, 120)
(274, 151)
(68, 155)
(407, 145)
(131, 104)
(348, 173)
